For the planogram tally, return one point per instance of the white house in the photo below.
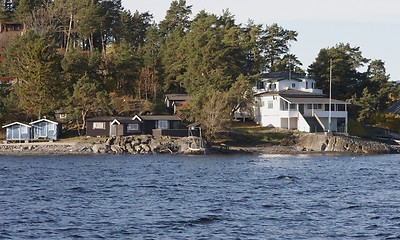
(291, 101)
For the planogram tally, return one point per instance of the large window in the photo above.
(162, 124)
(317, 106)
(132, 127)
(99, 125)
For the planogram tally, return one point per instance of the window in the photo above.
(309, 106)
(293, 85)
(162, 124)
(24, 130)
(63, 115)
(132, 127)
(51, 127)
(341, 107)
(293, 106)
(306, 85)
(317, 106)
(270, 104)
(99, 125)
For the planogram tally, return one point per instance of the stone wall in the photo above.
(142, 144)
(145, 144)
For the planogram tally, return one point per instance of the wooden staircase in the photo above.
(315, 126)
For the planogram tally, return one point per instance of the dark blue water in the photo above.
(206, 197)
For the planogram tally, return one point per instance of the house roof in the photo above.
(313, 100)
(16, 123)
(395, 108)
(292, 93)
(43, 120)
(177, 97)
(160, 117)
(279, 76)
(136, 117)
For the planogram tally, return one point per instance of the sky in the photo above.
(372, 25)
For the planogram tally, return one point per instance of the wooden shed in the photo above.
(18, 132)
(45, 129)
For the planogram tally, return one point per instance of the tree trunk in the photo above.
(69, 32)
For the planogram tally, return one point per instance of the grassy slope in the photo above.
(251, 134)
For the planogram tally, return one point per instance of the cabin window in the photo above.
(306, 85)
(132, 127)
(162, 124)
(284, 105)
(317, 106)
(50, 127)
(99, 125)
(341, 107)
(24, 130)
(270, 104)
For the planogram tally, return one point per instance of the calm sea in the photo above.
(202, 197)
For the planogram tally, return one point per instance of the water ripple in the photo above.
(202, 197)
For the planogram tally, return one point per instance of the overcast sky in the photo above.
(372, 25)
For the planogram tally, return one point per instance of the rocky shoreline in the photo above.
(147, 144)
(142, 144)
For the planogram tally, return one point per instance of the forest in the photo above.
(94, 58)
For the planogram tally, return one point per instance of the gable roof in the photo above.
(43, 120)
(313, 100)
(160, 117)
(140, 118)
(279, 76)
(177, 97)
(395, 108)
(16, 123)
(291, 93)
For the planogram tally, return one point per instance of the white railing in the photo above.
(302, 124)
(335, 114)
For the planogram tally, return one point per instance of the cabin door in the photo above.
(113, 130)
(301, 109)
(41, 130)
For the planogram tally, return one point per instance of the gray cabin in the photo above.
(18, 131)
(45, 129)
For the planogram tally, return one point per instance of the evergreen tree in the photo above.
(88, 99)
(367, 104)
(148, 84)
(275, 44)
(378, 83)
(123, 68)
(34, 62)
(346, 79)
(133, 28)
(177, 18)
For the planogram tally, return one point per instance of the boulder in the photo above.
(341, 143)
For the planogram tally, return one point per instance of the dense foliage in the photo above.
(93, 58)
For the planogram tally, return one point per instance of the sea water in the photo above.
(200, 197)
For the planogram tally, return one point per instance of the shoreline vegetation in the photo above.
(245, 139)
